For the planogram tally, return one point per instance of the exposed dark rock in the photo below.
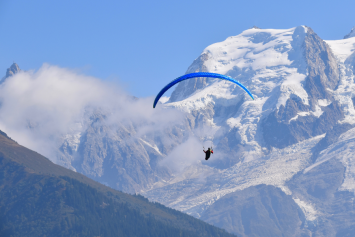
(254, 27)
(319, 183)
(323, 69)
(330, 138)
(113, 155)
(351, 34)
(320, 187)
(186, 88)
(278, 130)
(350, 62)
(98, 149)
(12, 70)
(261, 210)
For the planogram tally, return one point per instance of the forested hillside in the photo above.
(39, 198)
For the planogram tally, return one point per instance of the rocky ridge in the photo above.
(351, 34)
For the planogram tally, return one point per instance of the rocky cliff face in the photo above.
(115, 155)
(351, 34)
(12, 70)
(187, 88)
(322, 77)
(261, 210)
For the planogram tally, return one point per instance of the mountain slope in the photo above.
(304, 102)
(286, 140)
(351, 34)
(261, 210)
(39, 198)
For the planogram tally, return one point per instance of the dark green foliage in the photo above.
(33, 204)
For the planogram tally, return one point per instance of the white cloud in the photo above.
(186, 154)
(38, 107)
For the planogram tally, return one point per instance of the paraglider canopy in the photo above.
(198, 74)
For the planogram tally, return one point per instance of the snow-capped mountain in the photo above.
(304, 101)
(282, 164)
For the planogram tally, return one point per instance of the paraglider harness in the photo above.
(208, 152)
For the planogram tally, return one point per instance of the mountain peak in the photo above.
(12, 70)
(255, 27)
(351, 34)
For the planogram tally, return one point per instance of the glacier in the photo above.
(275, 66)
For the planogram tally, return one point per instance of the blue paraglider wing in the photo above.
(198, 74)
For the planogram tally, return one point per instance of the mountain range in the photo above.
(283, 163)
(39, 198)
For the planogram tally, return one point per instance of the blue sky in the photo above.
(143, 45)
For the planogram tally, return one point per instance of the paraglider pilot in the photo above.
(208, 153)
